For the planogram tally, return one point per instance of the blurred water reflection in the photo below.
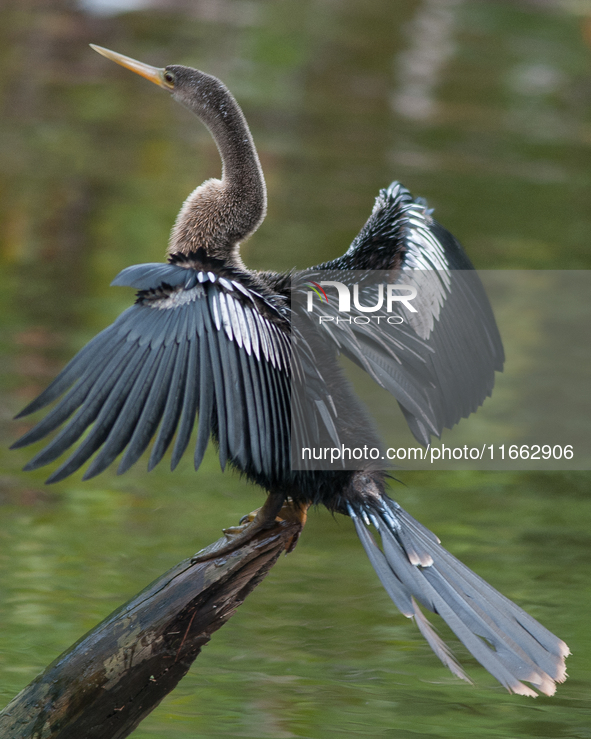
(481, 107)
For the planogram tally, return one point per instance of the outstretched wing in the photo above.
(439, 362)
(195, 342)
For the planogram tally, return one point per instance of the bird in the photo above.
(252, 359)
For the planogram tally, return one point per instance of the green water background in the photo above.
(481, 107)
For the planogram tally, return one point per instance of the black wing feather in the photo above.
(194, 342)
(174, 404)
(190, 404)
(122, 429)
(95, 349)
(205, 407)
(153, 409)
(108, 402)
(439, 365)
(74, 398)
(101, 384)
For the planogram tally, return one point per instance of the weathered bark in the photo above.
(106, 683)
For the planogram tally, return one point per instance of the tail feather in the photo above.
(437, 644)
(413, 566)
(507, 620)
(524, 629)
(403, 599)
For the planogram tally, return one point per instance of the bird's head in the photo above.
(221, 213)
(201, 92)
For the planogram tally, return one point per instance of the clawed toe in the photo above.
(276, 508)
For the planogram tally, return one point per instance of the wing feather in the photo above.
(206, 403)
(174, 404)
(441, 361)
(122, 429)
(190, 403)
(153, 409)
(195, 343)
(108, 404)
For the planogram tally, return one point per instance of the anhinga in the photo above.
(209, 338)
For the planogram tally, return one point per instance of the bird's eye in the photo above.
(169, 77)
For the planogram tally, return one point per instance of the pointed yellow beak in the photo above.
(154, 74)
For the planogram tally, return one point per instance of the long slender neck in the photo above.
(220, 214)
(241, 167)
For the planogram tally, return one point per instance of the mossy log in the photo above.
(114, 676)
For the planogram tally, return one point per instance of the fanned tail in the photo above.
(413, 566)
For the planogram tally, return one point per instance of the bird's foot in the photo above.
(276, 508)
(293, 513)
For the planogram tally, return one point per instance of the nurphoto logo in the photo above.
(395, 294)
(344, 296)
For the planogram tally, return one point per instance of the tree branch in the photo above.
(112, 678)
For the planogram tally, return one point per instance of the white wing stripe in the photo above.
(236, 328)
(243, 326)
(225, 317)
